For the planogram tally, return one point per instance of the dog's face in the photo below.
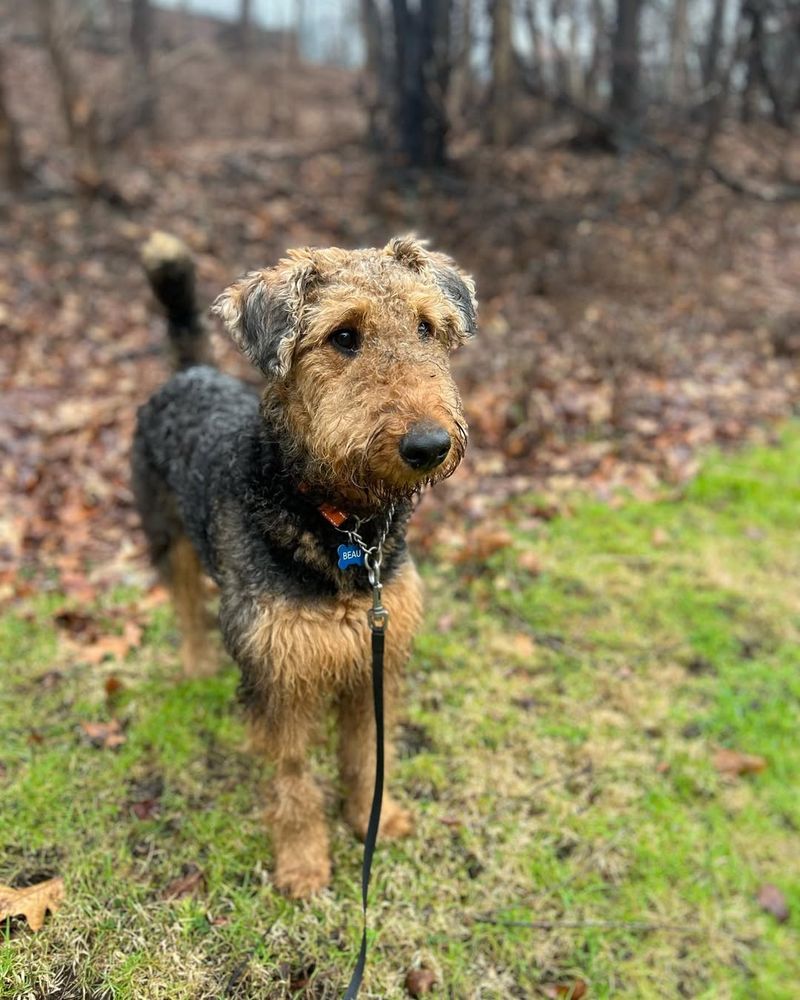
(355, 348)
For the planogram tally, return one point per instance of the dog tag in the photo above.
(350, 555)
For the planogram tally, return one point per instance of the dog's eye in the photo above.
(424, 329)
(345, 340)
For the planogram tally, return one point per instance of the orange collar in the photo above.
(333, 515)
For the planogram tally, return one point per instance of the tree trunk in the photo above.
(757, 71)
(79, 116)
(716, 108)
(598, 57)
(537, 75)
(624, 105)
(462, 85)
(557, 57)
(575, 77)
(502, 84)
(243, 24)
(422, 76)
(677, 74)
(710, 60)
(375, 83)
(10, 147)
(142, 45)
(299, 29)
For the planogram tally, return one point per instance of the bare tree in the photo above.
(625, 55)
(677, 73)
(713, 47)
(80, 117)
(422, 76)
(142, 45)
(719, 86)
(502, 82)
(758, 74)
(537, 74)
(375, 79)
(299, 29)
(244, 24)
(599, 55)
(462, 86)
(10, 146)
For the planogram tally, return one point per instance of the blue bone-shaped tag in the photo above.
(350, 555)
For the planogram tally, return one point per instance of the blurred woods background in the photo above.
(622, 177)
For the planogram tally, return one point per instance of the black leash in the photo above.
(378, 621)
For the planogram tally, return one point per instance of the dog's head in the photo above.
(355, 345)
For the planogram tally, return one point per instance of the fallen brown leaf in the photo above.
(115, 646)
(146, 808)
(78, 624)
(105, 735)
(733, 762)
(299, 979)
(154, 598)
(113, 686)
(530, 562)
(188, 884)
(32, 902)
(419, 982)
(483, 542)
(771, 899)
(567, 991)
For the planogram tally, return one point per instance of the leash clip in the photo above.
(377, 616)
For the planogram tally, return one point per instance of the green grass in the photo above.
(558, 753)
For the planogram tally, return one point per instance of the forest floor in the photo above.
(621, 331)
(601, 739)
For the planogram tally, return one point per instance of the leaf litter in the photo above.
(32, 902)
(614, 343)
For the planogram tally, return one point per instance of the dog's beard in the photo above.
(378, 478)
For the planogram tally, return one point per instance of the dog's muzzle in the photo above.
(425, 446)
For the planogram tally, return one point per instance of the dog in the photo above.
(359, 412)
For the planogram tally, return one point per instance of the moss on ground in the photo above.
(558, 749)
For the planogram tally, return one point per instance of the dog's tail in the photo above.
(170, 270)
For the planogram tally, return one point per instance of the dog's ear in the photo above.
(262, 312)
(454, 283)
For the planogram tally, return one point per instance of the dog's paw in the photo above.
(299, 881)
(396, 822)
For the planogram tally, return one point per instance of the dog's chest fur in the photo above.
(326, 642)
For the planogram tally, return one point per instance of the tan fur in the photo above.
(340, 419)
(397, 380)
(312, 651)
(188, 596)
(309, 646)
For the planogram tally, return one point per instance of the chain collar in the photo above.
(377, 615)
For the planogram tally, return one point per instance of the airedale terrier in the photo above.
(360, 411)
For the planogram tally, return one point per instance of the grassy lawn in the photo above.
(559, 751)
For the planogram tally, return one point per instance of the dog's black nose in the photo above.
(425, 446)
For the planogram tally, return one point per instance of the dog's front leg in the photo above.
(357, 760)
(295, 809)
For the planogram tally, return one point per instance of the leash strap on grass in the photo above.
(378, 637)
